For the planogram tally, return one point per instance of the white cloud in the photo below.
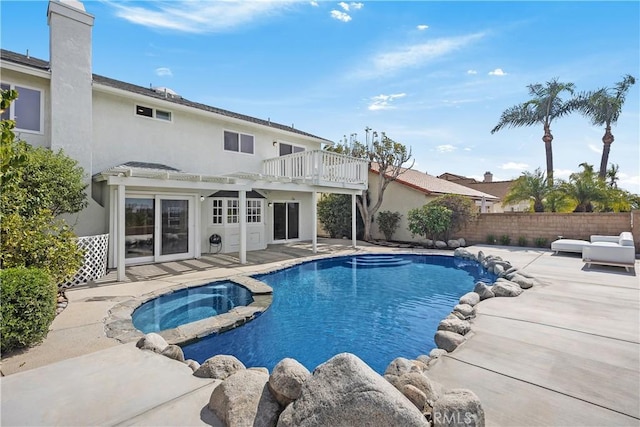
(447, 148)
(595, 148)
(562, 173)
(383, 102)
(356, 5)
(422, 27)
(497, 72)
(467, 149)
(413, 55)
(344, 5)
(472, 72)
(199, 17)
(314, 3)
(340, 16)
(514, 166)
(164, 72)
(630, 183)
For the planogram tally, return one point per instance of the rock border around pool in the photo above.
(345, 391)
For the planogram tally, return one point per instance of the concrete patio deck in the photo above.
(564, 353)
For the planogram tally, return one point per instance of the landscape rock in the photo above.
(418, 398)
(430, 389)
(345, 391)
(401, 365)
(192, 364)
(437, 352)
(259, 369)
(458, 326)
(483, 291)
(286, 380)
(462, 242)
(448, 340)
(480, 256)
(505, 288)
(173, 352)
(498, 270)
(466, 310)
(244, 399)
(470, 298)
(219, 367)
(440, 244)
(458, 408)
(427, 243)
(453, 243)
(523, 282)
(153, 342)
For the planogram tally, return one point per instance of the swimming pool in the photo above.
(189, 305)
(378, 307)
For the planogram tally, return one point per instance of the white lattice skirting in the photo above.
(95, 260)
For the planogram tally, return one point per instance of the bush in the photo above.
(463, 211)
(429, 221)
(334, 213)
(388, 223)
(491, 239)
(505, 240)
(28, 306)
(522, 241)
(540, 242)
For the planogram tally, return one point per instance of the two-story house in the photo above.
(164, 173)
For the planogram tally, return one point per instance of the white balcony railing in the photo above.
(319, 167)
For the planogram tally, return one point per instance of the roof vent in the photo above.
(166, 92)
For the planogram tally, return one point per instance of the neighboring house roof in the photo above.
(497, 188)
(40, 64)
(432, 185)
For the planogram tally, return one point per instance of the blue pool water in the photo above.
(377, 307)
(189, 305)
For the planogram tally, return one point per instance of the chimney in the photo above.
(488, 177)
(70, 29)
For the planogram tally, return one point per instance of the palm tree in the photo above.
(529, 186)
(585, 188)
(544, 106)
(603, 107)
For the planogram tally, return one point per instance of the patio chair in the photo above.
(215, 242)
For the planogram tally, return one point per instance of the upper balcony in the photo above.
(319, 167)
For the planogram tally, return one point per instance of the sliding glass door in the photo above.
(286, 220)
(158, 228)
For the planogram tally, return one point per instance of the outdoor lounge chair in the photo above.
(618, 251)
(568, 245)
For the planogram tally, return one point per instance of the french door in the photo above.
(158, 228)
(286, 221)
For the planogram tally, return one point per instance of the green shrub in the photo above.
(430, 221)
(522, 241)
(491, 239)
(463, 211)
(388, 223)
(540, 242)
(28, 306)
(505, 240)
(334, 213)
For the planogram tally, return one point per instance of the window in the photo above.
(233, 208)
(153, 113)
(26, 110)
(239, 142)
(254, 211)
(289, 149)
(217, 211)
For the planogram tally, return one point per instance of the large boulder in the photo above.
(401, 365)
(505, 288)
(448, 340)
(345, 391)
(483, 291)
(219, 367)
(244, 399)
(458, 326)
(173, 352)
(153, 342)
(458, 408)
(523, 282)
(465, 310)
(286, 380)
(453, 243)
(440, 244)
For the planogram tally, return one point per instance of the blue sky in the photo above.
(434, 76)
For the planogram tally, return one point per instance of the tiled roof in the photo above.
(497, 188)
(17, 58)
(432, 185)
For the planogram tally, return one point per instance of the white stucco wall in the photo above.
(192, 141)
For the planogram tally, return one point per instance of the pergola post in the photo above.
(242, 195)
(120, 243)
(314, 219)
(354, 211)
